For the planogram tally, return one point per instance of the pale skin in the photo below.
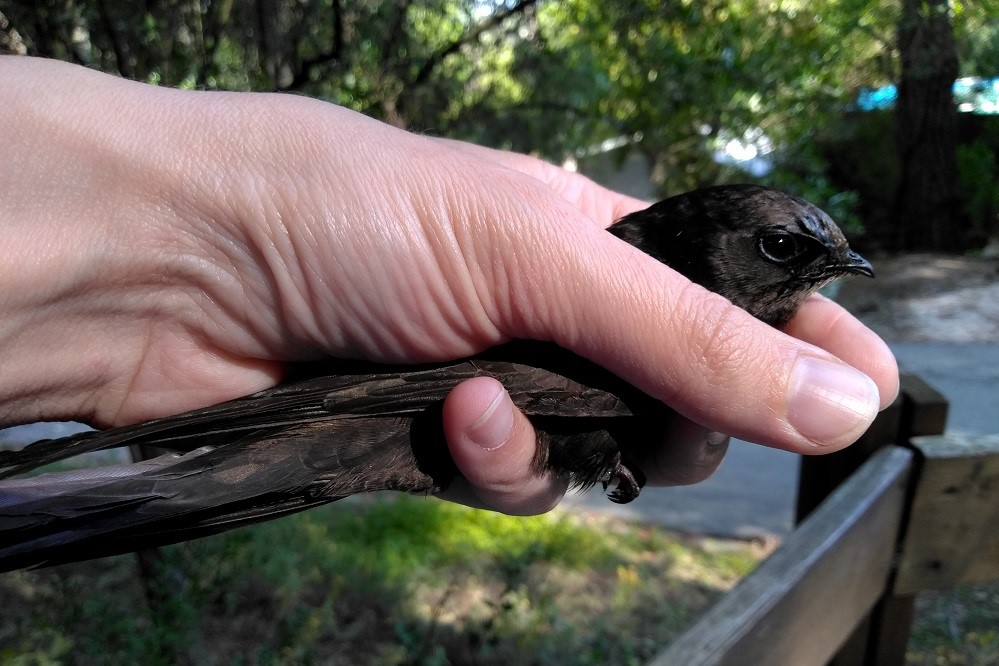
(166, 250)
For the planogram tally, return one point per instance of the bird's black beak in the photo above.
(854, 263)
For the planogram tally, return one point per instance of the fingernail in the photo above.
(830, 402)
(715, 439)
(494, 427)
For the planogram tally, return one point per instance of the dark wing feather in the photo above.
(90, 513)
(352, 428)
(559, 385)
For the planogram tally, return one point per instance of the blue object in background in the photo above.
(972, 94)
(879, 99)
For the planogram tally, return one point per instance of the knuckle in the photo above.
(719, 335)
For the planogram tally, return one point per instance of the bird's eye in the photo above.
(779, 247)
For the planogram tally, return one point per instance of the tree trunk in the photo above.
(272, 52)
(927, 207)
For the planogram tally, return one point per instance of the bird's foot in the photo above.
(629, 483)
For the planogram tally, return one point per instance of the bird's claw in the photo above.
(629, 483)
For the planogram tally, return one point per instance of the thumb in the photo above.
(712, 362)
(493, 444)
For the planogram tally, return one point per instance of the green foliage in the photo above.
(99, 613)
(978, 178)
(803, 171)
(858, 153)
(390, 541)
(682, 75)
(48, 647)
(976, 27)
(380, 582)
(555, 78)
(956, 627)
(545, 76)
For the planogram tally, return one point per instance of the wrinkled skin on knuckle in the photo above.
(503, 257)
(715, 332)
(428, 264)
(360, 270)
(726, 353)
(515, 252)
(476, 250)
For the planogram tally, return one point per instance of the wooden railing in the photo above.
(905, 509)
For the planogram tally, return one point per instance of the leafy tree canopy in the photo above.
(547, 76)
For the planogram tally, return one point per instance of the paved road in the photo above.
(752, 494)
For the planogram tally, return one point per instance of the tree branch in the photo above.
(118, 41)
(395, 32)
(304, 70)
(217, 18)
(472, 35)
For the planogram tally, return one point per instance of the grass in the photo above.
(419, 582)
(406, 581)
(957, 627)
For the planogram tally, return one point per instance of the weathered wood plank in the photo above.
(919, 410)
(819, 476)
(802, 603)
(953, 534)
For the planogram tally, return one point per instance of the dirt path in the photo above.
(928, 298)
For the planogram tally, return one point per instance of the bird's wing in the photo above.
(80, 514)
(550, 383)
(352, 428)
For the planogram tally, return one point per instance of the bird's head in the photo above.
(763, 249)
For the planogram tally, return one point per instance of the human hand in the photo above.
(169, 250)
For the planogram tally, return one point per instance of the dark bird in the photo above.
(344, 427)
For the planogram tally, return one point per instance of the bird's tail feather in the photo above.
(81, 514)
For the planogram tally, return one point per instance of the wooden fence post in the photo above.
(921, 513)
(952, 536)
(881, 638)
(802, 602)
